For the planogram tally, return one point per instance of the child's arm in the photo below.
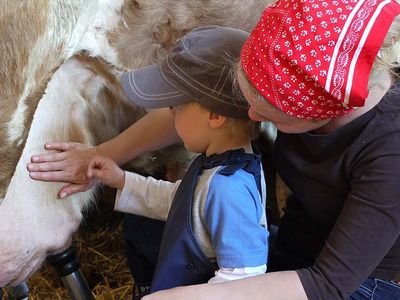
(233, 213)
(146, 196)
(227, 274)
(136, 194)
(154, 131)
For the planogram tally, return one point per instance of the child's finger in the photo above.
(98, 174)
(90, 168)
(97, 163)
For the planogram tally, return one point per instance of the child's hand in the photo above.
(107, 171)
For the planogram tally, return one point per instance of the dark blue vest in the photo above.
(181, 261)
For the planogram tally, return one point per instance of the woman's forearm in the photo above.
(275, 286)
(154, 131)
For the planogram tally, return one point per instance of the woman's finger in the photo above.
(61, 146)
(56, 176)
(48, 157)
(47, 166)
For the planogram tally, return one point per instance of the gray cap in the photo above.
(198, 68)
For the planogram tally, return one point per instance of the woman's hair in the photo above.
(388, 57)
(249, 128)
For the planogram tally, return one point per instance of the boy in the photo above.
(216, 226)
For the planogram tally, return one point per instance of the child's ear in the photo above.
(216, 120)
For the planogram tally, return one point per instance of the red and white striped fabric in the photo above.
(312, 58)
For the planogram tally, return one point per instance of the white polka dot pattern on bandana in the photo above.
(304, 55)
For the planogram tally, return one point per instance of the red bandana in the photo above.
(312, 58)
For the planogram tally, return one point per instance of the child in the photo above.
(216, 226)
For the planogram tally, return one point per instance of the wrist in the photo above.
(121, 180)
(97, 150)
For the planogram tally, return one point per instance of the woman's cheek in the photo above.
(255, 116)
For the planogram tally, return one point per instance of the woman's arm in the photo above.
(69, 164)
(276, 286)
(154, 131)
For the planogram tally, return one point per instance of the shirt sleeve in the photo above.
(232, 212)
(145, 196)
(228, 274)
(365, 230)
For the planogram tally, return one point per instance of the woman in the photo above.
(307, 68)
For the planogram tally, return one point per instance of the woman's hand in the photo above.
(68, 162)
(107, 171)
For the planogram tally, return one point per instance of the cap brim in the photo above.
(146, 87)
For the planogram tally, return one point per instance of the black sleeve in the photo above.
(367, 228)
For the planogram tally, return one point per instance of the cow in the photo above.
(60, 67)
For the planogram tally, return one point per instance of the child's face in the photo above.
(191, 123)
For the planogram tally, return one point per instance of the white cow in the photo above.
(60, 62)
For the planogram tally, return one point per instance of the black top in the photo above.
(344, 214)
